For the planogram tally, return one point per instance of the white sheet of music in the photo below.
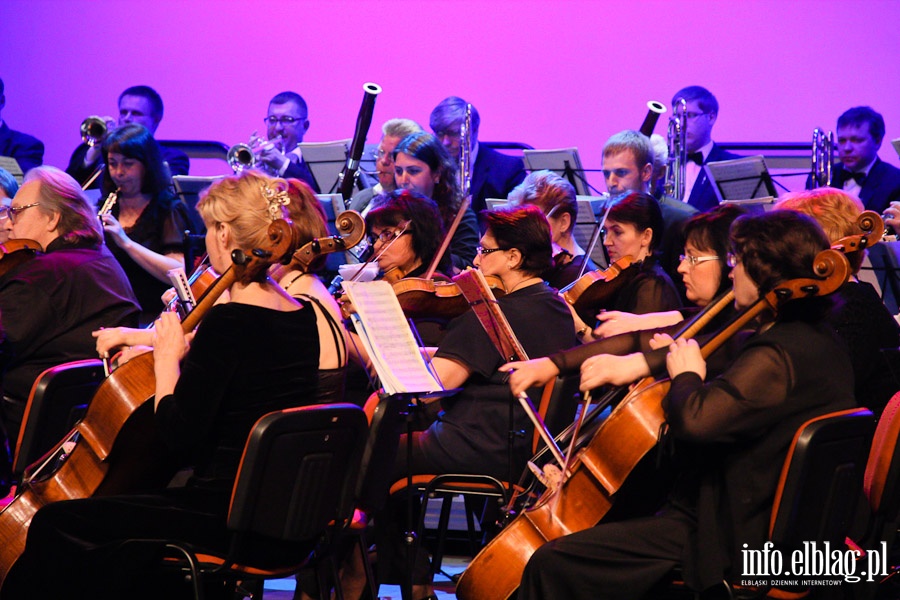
(739, 178)
(386, 335)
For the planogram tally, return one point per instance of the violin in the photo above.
(592, 291)
(598, 471)
(15, 252)
(430, 298)
(112, 449)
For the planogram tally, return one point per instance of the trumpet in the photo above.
(243, 156)
(94, 130)
(822, 158)
(677, 165)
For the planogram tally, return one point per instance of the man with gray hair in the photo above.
(392, 132)
(494, 175)
(8, 189)
(50, 304)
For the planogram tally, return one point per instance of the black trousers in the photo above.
(615, 561)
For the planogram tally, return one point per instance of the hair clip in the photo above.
(277, 199)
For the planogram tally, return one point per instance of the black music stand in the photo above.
(743, 181)
(565, 162)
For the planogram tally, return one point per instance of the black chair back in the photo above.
(58, 400)
(822, 479)
(299, 472)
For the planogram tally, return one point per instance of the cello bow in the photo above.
(475, 288)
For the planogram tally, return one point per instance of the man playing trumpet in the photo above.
(138, 104)
(286, 122)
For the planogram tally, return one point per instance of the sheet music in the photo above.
(384, 332)
(896, 144)
(740, 178)
(8, 163)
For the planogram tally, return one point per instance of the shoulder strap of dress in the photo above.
(333, 325)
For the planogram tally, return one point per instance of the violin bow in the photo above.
(480, 297)
(451, 231)
(594, 238)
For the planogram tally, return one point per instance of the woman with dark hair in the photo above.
(556, 198)
(405, 231)
(145, 228)
(472, 434)
(731, 433)
(706, 275)
(422, 164)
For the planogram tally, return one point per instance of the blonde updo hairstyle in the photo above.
(239, 202)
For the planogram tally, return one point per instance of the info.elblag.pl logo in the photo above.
(813, 564)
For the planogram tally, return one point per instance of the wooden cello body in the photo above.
(600, 469)
(114, 448)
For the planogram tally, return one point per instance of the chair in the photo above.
(296, 480)
(556, 408)
(881, 485)
(817, 493)
(58, 399)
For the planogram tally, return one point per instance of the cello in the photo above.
(109, 451)
(593, 477)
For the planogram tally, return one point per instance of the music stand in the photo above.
(188, 188)
(896, 144)
(744, 181)
(590, 212)
(563, 161)
(325, 161)
(10, 164)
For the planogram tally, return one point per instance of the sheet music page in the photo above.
(386, 335)
(8, 163)
(739, 179)
(896, 144)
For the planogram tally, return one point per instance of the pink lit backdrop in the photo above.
(552, 74)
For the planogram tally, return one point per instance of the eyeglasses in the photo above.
(10, 212)
(386, 236)
(695, 260)
(284, 120)
(732, 260)
(485, 251)
(694, 115)
(380, 153)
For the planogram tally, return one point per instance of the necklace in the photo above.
(525, 283)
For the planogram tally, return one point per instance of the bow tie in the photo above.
(859, 178)
(696, 157)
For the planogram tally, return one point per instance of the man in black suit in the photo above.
(494, 175)
(701, 112)
(287, 121)
(27, 150)
(860, 131)
(137, 104)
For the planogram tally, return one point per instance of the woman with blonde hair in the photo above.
(253, 355)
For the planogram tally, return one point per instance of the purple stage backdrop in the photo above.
(551, 74)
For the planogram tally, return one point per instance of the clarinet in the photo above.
(347, 179)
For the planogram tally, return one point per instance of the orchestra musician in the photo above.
(139, 104)
(51, 303)
(731, 434)
(634, 226)
(494, 174)
(556, 198)
(256, 354)
(471, 435)
(26, 149)
(860, 131)
(145, 228)
(287, 121)
(629, 165)
(392, 132)
(701, 112)
(422, 164)
(861, 319)
(706, 275)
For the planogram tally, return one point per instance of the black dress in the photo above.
(160, 228)
(244, 362)
(734, 432)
